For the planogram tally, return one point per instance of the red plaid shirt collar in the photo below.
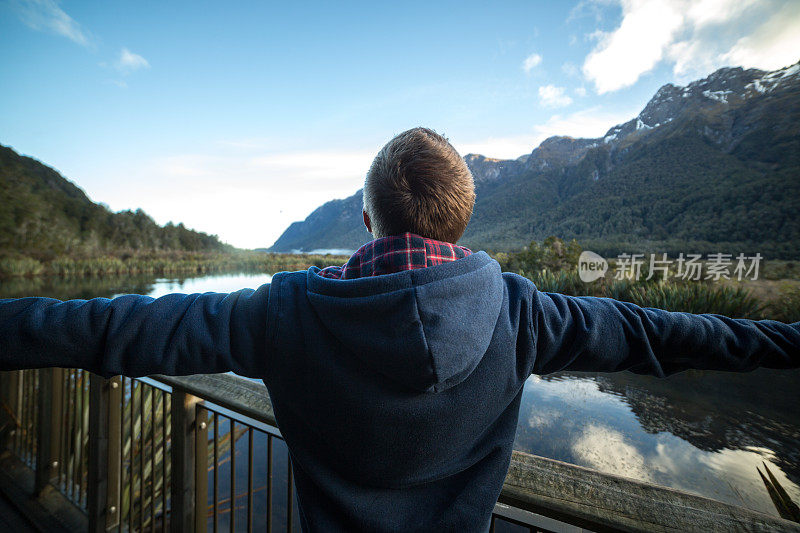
(396, 253)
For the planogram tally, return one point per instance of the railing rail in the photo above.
(177, 453)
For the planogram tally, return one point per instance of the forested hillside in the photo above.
(44, 215)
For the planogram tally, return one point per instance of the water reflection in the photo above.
(704, 432)
(111, 286)
(700, 431)
(218, 283)
(80, 287)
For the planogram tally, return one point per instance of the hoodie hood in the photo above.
(426, 328)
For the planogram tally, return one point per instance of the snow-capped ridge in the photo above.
(725, 88)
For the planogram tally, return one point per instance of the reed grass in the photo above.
(733, 299)
(689, 297)
(161, 263)
(786, 307)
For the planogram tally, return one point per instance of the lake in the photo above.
(699, 431)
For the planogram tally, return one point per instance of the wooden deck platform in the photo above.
(12, 520)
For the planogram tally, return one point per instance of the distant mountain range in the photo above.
(45, 215)
(710, 167)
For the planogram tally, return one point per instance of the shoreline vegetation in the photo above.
(774, 295)
(551, 265)
(160, 263)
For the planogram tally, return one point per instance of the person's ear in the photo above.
(367, 221)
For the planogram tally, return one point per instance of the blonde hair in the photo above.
(418, 183)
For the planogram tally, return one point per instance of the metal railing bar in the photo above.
(152, 459)
(141, 456)
(121, 453)
(32, 420)
(269, 483)
(81, 435)
(249, 480)
(264, 427)
(76, 442)
(71, 450)
(63, 433)
(163, 461)
(26, 436)
(216, 469)
(28, 415)
(23, 415)
(130, 452)
(232, 427)
(23, 432)
(154, 383)
(289, 496)
(201, 468)
(19, 413)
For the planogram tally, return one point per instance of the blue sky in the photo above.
(239, 118)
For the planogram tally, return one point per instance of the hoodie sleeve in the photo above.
(177, 334)
(605, 335)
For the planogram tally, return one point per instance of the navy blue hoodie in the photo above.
(398, 395)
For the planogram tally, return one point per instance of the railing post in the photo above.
(49, 431)
(97, 490)
(182, 489)
(12, 404)
(114, 489)
(9, 383)
(201, 470)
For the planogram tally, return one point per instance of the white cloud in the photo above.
(634, 48)
(695, 37)
(552, 96)
(509, 147)
(587, 123)
(128, 61)
(773, 45)
(580, 91)
(46, 15)
(531, 62)
(607, 450)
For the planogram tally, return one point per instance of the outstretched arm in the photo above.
(606, 335)
(177, 334)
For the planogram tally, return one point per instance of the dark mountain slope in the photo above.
(335, 224)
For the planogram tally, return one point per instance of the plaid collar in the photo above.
(396, 253)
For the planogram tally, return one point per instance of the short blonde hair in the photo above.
(418, 183)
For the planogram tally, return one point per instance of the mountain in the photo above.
(337, 221)
(710, 167)
(44, 214)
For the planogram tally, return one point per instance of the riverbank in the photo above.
(160, 263)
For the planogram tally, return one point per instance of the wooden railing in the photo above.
(204, 453)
